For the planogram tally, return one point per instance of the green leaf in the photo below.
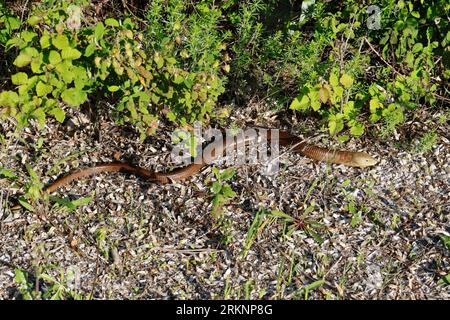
(39, 114)
(113, 88)
(343, 138)
(357, 130)
(158, 60)
(25, 57)
(26, 205)
(19, 78)
(335, 124)
(82, 201)
(171, 116)
(6, 173)
(33, 20)
(70, 54)
(334, 80)
(300, 103)
(45, 41)
(54, 57)
(59, 114)
(445, 280)
(36, 64)
(28, 36)
(374, 105)
(13, 22)
(90, 49)
(417, 47)
(8, 98)
(74, 97)
(64, 69)
(227, 191)
(60, 42)
(99, 31)
(314, 98)
(227, 174)
(216, 187)
(280, 214)
(43, 89)
(112, 22)
(346, 80)
(445, 240)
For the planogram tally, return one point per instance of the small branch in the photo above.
(382, 59)
(440, 97)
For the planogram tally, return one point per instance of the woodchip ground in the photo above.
(371, 233)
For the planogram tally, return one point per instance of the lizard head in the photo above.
(362, 160)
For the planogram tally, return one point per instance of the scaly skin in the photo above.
(348, 158)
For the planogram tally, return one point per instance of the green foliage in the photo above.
(221, 191)
(188, 35)
(62, 60)
(8, 24)
(427, 142)
(330, 70)
(52, 289)
(322, 58)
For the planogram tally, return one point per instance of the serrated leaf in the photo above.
(90, 49)
(70, 54)
(19, 78)
(43, 89)
(374, 104)
(112, 22)
(343, 138)
(8, 98)
(60, 42)
(36, 64)
(45, 41)
(28, 36)
(227, 174)
(158, 60)
(13, 22)
(54, 57)
(346, 80)
(33, 20)
(324, 94)
(23, 59)
(300, 103)
(216, 187)
(64, 69)
(99, 31)
(334, 80)
(74, 97)
(228, 192)
(357, 129)
(314, 99)
(171, 116)
(59, 114)
(39, 114)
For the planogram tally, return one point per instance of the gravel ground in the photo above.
(358, 233)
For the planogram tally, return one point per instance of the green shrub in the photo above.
(190, 33)
(64, 61)
(349, 74)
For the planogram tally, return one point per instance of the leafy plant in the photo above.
(63, 61)
(221, 191)
(52, 288)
